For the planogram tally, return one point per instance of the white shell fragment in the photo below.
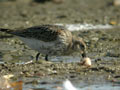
(87, 62)
(67, 85)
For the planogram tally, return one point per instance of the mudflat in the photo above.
(103, 45)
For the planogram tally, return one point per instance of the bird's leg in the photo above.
(83, 47)
(37, 56)
(46, 57)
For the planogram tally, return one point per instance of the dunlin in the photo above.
(50, 40)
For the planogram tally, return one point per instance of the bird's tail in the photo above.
(6, 30)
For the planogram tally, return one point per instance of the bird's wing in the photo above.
(44, 32)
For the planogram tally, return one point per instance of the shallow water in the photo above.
(56, 84)
(85, 27)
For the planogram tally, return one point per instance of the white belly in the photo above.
(51, 48)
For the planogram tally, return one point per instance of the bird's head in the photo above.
(79, 46)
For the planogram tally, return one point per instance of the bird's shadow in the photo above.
(5, 36)
(41, 1)
(1, 54)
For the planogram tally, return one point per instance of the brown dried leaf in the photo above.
(17, 85)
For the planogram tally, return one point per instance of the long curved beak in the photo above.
(83, 46)
(84, 54)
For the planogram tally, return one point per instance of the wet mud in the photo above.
(103, 49)
(103, 46)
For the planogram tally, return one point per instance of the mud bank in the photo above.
(103, 49)
(103, 45)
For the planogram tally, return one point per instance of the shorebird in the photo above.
(50, 40)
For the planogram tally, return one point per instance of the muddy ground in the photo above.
(103, 45)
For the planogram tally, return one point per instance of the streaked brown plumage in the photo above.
(50, 40)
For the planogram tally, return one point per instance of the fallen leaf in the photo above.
(116, 2)
(17, 85)
(113, 22)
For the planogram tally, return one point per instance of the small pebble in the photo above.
(7, 57)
